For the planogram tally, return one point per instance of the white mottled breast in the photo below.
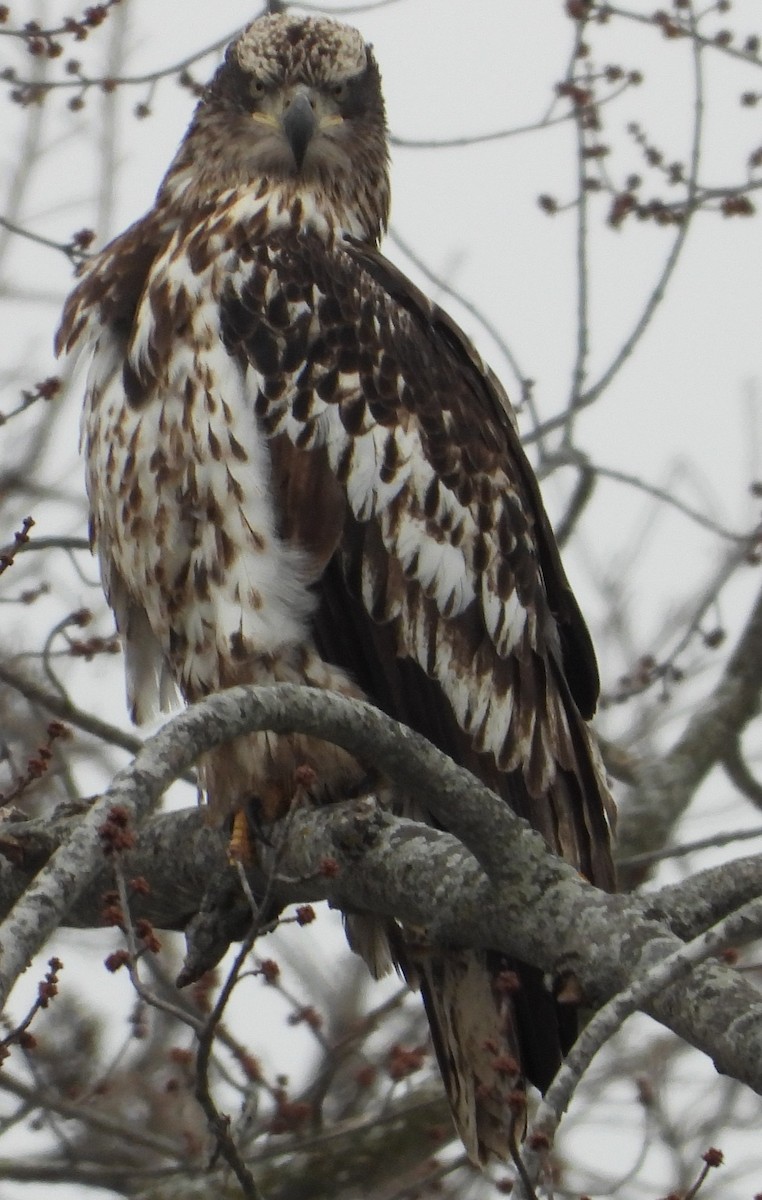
(179, 476)
(179, 487)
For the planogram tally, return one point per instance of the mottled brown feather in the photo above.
(300, 469)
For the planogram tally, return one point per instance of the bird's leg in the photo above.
(251, 824)
(239, 847)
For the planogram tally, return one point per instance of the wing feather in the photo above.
(445, 483)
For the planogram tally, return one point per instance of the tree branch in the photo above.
(610, 1018)
(665, 788)
(521, 899)
(65, 710)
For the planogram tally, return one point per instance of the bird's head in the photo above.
(298, 103)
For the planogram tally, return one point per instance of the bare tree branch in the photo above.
(666, 787)
(65, 710)
(531, 904)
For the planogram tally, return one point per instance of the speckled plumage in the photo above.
(299, 469)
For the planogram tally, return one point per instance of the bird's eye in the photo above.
(339, 91)
(257, 89)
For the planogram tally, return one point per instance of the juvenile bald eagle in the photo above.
(299, 469)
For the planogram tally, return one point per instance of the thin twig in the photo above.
(584, 399)
(92, 1116)
(70, 249)
(443, 286)
(218, 1124)
(582, 257)
(63, 708)
(689, 30)
(714, 841)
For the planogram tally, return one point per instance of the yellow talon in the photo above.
(239, 847)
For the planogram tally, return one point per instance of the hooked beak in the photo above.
(299, 125)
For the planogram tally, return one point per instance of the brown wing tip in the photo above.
(70, 329)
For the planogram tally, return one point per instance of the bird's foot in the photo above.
(239, 847)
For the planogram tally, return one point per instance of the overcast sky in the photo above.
(683, 412)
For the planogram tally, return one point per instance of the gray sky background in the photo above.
(683, 413)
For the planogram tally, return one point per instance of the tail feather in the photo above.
(475, 1036)
(489, 1020)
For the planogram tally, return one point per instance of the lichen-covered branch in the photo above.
(520, 898)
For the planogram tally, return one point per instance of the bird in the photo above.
(300, 470)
